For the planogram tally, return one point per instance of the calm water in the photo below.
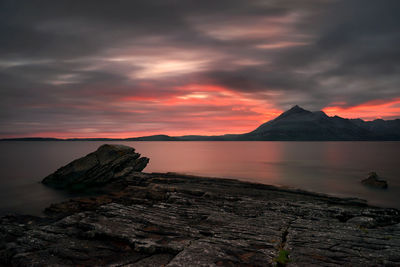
(334, 168)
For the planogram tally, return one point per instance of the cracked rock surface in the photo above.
(177, 220)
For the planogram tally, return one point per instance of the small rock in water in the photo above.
(106, 164)
(374, 181)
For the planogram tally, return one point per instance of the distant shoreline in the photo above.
(295, 124)
(145, 139)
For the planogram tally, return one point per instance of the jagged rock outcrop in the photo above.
(107, 164)
(373, 180)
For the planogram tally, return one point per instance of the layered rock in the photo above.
(177, 220)
(107, 164)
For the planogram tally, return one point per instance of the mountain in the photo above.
(384, 130)
(295, 124)
(300, 124)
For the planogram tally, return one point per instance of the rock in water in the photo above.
(105, 165)
(374, 181)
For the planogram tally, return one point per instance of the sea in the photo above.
(334, 168)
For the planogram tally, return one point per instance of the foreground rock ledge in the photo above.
(177, 220)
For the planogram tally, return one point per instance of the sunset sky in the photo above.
(99, 68)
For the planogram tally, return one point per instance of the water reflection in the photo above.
(327, 167)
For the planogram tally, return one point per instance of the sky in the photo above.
(99, 68)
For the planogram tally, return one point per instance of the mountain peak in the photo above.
(296, 108)
(293, 112)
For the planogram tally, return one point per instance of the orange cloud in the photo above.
(375, 109)
(279, 45)
(201, 109)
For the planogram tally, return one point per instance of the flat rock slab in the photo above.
(177, 220)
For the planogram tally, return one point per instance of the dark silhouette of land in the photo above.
(295, 124)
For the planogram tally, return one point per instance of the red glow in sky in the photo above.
(129, 69)
(376, 109)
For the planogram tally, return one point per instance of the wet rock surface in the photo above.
(177, 220)
(373, 180)
(168, 219)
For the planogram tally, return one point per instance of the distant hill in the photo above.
(160, 137)
(301, 124)
(295, 124)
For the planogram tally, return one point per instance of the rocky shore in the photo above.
(168, 219)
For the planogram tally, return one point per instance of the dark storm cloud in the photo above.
(118, 62)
